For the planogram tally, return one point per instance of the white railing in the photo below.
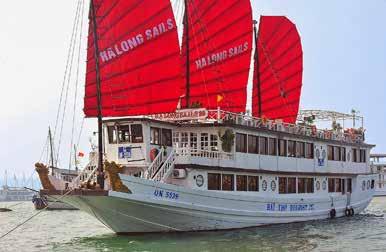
(193, 152)
(154, 166)
(81, 176)
(167, 168)
(304, 130)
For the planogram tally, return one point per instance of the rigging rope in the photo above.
(69, 77)
(76, 87)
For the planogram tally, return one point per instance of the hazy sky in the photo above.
(344, 44)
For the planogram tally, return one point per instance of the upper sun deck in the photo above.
(306, 126)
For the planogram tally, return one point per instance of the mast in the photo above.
(257, 66)
(98, 85)
(51, 150)
(6, 178)
(187, 55)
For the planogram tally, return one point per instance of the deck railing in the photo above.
(211, 154)
(303, 130)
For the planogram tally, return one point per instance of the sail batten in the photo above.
(139, 57)
(278, 70)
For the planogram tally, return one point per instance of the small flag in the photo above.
(220, 98)
(80, 154)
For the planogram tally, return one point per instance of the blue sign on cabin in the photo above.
(124, 152)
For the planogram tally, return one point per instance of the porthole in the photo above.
(363, 185)
(199, 180)
(324, 185)
(368, 184)
(264, 185)
(273, 185)
(324, 154)
(317, 185)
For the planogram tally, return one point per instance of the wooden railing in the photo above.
(303, 130)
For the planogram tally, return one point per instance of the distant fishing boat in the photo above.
(177, 150)
(14, 193)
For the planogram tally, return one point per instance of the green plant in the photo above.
(227, 140)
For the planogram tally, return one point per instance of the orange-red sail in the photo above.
(278, 71)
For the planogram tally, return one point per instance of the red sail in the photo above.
(220, 40)
(278, 72)
(139, 58)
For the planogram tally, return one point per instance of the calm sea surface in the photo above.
(76, 231)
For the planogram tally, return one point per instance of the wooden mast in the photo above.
(186, 23)
(98, 85)
(257, 68)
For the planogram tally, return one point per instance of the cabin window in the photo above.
(263, 145)
(337, 154)
(193, 141)
(204, 141)
(241, 183)
(343, 154)
(282, 147)
(166, 137)
(349, 185)
(355, 155)
(287, 185)
(184, 139)
(362, 156)
(213, 142)
(253, 183)
(112, 134)
(214, 181)
(155, 136)
(241, 142)
(253, 144)
(176, 139)
(309, 150)
(124, 133)
(272, 146)
(291, 148)
(136, 133)
(330, 152)
(227, 182)
(305, 185)
(338, 185)
(331, 185)
(300, 149)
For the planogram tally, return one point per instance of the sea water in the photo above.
(77, 231)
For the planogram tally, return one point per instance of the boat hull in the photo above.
(159, 207)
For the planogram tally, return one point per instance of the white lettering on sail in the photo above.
(221, 56)
(133, 42)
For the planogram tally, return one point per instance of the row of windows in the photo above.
(190, 139)
(288, 185)
(125, 134)
(272, 146)
(159, 136)
(225, 182)
(336, 153)
(339, 185)
(359, 156)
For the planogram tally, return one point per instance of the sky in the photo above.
(344, 46)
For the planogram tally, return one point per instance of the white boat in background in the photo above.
(378, 162)
(177, 150)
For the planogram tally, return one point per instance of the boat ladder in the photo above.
(154, 166)
(166, 169)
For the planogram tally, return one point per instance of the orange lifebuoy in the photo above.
(153, 154)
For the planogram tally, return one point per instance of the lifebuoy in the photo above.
(332, 213)
(153, 154)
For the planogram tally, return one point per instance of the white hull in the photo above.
(380, 192)
(144, 210)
